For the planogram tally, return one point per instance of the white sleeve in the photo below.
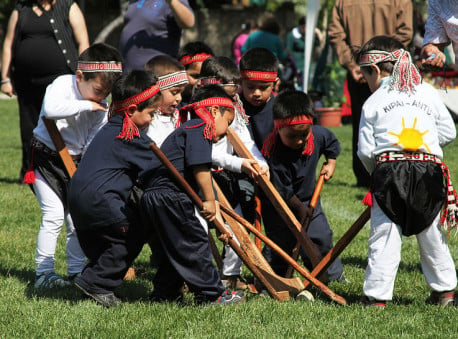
(221, 157)
(366, 142)
(245, 136)
(58, 105)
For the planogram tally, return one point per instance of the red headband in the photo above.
(172, 80)
(200, 108)
(269, 143)
(187, 59)
(405, 74)
(258, 75)
(129, 129)
(99, 66)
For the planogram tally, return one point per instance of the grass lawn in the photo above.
(66, 313)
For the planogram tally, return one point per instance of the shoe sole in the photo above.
(93, 296)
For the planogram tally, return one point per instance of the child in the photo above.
(186, 255)
(108, 233)
(191, 57)
(172, 80)
(293, 150)
(236, 185)
(403, 126)
(77, 104)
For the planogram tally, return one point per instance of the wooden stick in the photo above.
(257, 216)
(60, 146)
(305, 225)
(306, 274)
(258, 273)
(215, 252)
(341, 244)
(280, 205)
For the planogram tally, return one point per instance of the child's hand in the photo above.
(247, 167)
(97, 106)
(432, 56)
(209, 210)
(225, 238)
(265, 171)
(7, 88)
(328, 169)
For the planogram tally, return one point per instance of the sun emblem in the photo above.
(410, 139)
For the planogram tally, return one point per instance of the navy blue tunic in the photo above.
(101, 185)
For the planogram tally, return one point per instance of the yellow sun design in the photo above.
(410, 138)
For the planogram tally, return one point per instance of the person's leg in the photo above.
(437, 263)
(384, 255)
(76, 260)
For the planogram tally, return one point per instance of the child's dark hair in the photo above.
(133, 83)
(222, 68)
(101, 52)
(210, 91)
(289, 103)
(380, 43)
(162, 65)
(259, 59)
(193, 48)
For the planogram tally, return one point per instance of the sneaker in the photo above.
(369, 302)
(105, 299)
(71, 277)
(230, 298)
(441, 298)
(234, 282)
(49, 280)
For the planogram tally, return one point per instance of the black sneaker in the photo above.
(446, 298)
(105, 299)
(369, 302)
(230, 298)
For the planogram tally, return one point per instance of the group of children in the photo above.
(121, 195)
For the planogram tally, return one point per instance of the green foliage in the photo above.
(333, 82)
(27, 313)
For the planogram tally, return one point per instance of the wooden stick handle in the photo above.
(60, 146)
(341, 244)
(306, 274)
(317, 191)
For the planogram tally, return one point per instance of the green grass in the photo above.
(65, 313)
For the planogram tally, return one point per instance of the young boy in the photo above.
(77, 105)
(232, 173)
(172, 80)
(109, 234)
(191, 57)
(184, 252)
(403, 126)
(293, 151)
(258, 68)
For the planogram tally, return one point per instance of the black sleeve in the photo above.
(329, 145)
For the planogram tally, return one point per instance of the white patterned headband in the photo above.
(172, 80)
(99, 66)
(405, 74)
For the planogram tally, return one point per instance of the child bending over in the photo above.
(403, 126)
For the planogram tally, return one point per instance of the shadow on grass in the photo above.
(10, 181)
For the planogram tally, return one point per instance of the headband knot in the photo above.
(269, 144)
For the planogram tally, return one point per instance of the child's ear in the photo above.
(79, 76)
(375, 69)
(131, 110)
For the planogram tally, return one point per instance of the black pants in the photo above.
(358, 95)
(184, 254)
(110, 250)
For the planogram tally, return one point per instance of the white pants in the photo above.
(385, 254)
(53, 215)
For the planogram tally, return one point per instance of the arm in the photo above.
(204, 181)
(78, 24)
(7, 51)
(329, 168)
(221, 157)
(366, 142)
(404, 23)
(183, 15)
(435, 39)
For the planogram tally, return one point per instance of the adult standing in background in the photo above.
(441, 29)
(151, 28)
(353, 23)
(42, 41)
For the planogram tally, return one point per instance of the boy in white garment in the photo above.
(403, 126)
(77, 104)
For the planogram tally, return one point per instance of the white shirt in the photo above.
(223, 152)
(395, 121)
(74, 117)
(442, 24)
(160, 127)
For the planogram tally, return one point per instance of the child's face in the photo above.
(222, 121)
(171, 98)
(373, 78)
(295, 136)
(144, 117)
(256, 92)
(92, 89)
